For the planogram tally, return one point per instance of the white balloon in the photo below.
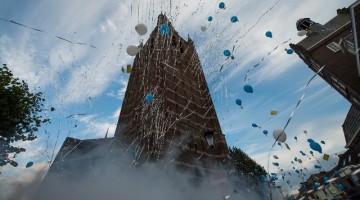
(302, 33)
(279, 135)
(141, 29)
(275, 156)
(299, 160)
(132, 50)
(203, 28)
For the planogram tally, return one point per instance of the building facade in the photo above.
(167, 106)
(335, 46)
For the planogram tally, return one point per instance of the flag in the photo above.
(326, 157)
(128, 69)
(273, 112)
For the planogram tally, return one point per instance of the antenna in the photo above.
(106, 133)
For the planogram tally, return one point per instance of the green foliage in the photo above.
(244, 164)
(20, 114)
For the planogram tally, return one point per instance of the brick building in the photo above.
(335, 46)
(173, 123)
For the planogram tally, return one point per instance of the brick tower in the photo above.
(172, 123)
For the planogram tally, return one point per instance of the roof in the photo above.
(329, 28)
(74, 149)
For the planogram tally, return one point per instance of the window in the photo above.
(338, 84)
(349, 158)
(344, 162)
(333, 46)
(316, 66)
(349, 44)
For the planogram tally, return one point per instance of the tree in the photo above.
(20, 115)
(243, 164)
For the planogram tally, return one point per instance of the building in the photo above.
(167, 118)
(334, 45)
(167, 107)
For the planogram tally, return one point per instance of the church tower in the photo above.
(167, 109)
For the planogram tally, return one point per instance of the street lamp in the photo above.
(209, 137)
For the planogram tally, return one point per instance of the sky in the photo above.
(80, 79)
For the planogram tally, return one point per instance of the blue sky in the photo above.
(78, 79)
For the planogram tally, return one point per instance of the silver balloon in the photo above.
(141, 29)
(299, 160)
(275, 156)
(279, 135)
(132, 50)
(203, 28)
(302, 33)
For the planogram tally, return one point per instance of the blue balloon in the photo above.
(279, 143)
(254, 125)
(295, 158)
(234, 19)
(227, 53)
(295, 138)
(317, 166)
(301, 152)
(276, 164)
(222, 5)
(297, 171)
(310, 140)
(316, 185)
(268, 34)
(322, 142)
(265, 132)
(210, 18)
(292, 162)
(164, 29)
(238, 102)
(341, 187)
(149, 98)
(316, 147)
(326, 179)
(311, 152)
(29, 164)
(289, 51)
(248, 89)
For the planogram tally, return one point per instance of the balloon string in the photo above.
(300, 100)
(287, 123)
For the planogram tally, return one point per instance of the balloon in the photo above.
(254, 125)
(203, 28)
(141, 29)
(268, 34)
(227, 53)
(341, 187)
(292, 162)
(210, 18)
(317, 166)
(149, 98)
(289, 51)
(222, 5)
(234, 19)
(316, 147)
(295, 158)
(322, 142)
(302, 33)
(305, 131)
(295, 138)
(299, 160)
(311, 152)
(248, 89)
(29, 164)
(301, 152)
(279, 143)
(276, 164)
(238, 102)
(297, 171)
(275, 156)
(326, 179)
(132, 50)
(310, 140)
(164, 29)
(265, 132)
(279, 135)
(316, 185)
